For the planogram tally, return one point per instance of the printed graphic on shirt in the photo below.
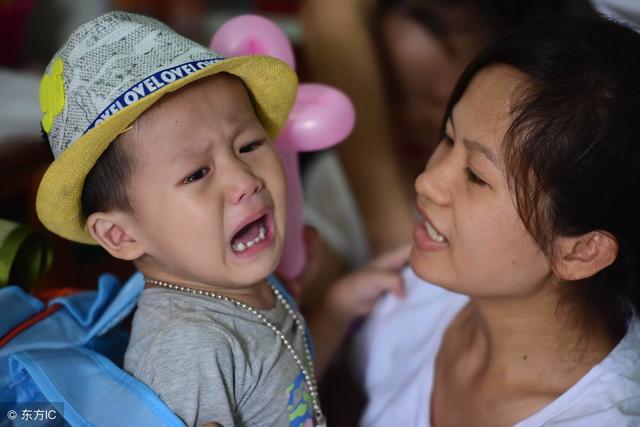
(299, 403)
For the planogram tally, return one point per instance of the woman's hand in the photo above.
(356, 294)
(351, 297)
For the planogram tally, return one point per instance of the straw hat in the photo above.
(108, 73)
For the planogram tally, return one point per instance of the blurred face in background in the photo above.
(425, 68)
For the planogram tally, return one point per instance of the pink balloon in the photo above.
(293, 250)
(252, 35)
(321, 117)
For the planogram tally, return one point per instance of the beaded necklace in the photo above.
(309, 375)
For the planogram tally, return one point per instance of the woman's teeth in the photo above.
(238, 246)
(433, 233)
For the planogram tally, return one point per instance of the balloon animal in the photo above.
(321, 117)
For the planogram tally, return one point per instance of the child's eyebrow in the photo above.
(192, 150)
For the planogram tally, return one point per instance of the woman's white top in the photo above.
(395, 353)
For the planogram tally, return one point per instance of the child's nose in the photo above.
(241, 184)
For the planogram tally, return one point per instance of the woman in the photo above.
(529, 225)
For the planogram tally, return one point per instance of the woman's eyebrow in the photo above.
(475, 145)
(482, 149)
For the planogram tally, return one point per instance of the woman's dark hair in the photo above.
(572, 151)
(106, 185)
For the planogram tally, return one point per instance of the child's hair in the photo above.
(106, 186)
(572, 151)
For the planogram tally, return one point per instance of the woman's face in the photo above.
(470, 238)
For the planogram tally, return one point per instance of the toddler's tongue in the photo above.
(253, 233)
(248, 233)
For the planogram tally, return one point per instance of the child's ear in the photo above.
(113, 232)
(583, 256)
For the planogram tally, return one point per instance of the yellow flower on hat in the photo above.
(52, 94)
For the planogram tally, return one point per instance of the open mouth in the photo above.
(430, 231)
(433, 233)
(250, 235)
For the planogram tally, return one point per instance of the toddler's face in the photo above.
(208, 189)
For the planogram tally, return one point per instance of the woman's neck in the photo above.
(528, 337)
(501, 361)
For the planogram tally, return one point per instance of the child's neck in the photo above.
(258, 295)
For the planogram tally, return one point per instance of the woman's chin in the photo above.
(428, 271)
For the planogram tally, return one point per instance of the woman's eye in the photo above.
(472, 177)
(197, 175)
(251, 147)
(447, 140)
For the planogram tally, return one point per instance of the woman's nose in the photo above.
(436, 181)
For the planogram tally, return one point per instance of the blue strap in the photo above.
(84, 315)
(273, 280)
(91, 390)
(105, 308)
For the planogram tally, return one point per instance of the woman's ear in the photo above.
(583, 256)
(114, 232)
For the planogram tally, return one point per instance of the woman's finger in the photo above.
(394, 259)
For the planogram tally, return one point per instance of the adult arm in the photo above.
(341, 52)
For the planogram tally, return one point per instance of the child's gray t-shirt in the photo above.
(212, 361)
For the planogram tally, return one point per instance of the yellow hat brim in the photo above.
(272, 87)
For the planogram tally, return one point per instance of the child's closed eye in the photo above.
(197, 175)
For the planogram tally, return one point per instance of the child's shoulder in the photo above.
(169, 316)
(169, 335)
(191, 336)
(166, 322)
(175, 306)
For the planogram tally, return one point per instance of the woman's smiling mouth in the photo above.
(427, 236)
(433, 233)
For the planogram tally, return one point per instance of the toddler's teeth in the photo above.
(239, 246)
